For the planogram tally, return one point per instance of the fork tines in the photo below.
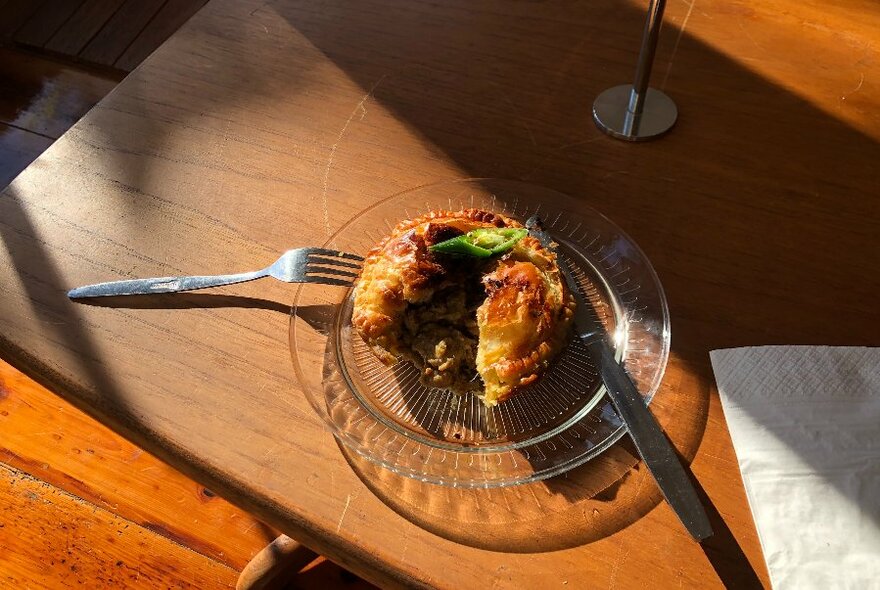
(330, 262)
(335, 254)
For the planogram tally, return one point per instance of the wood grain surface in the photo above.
(121, 30)
(46, 21)
(38, 552)
(47, 97)
(58, 452)
(63, 450)
(83, 25)
(53, 442)
(112, 34)
(160, 26)
(264, 126)
(18, 148)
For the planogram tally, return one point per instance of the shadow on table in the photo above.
(773, 173)
(768, 174)
(42, 280)
(588, 503)
(317, 316)
(722, 549)
(185, 301)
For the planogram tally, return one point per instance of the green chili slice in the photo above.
(482, 243)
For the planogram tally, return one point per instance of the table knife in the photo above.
(651, 443)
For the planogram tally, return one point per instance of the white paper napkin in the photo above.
(805, 423)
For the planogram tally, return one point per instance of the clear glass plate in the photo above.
(385, 414)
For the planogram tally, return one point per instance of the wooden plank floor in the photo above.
(81, 507)
(46, 97)
(118, 34)
(51, 440)
(52, 539)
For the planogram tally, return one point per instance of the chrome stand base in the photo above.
(611, 114)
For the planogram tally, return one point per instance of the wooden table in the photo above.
(267, 125)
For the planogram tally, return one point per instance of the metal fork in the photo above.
(302, 265)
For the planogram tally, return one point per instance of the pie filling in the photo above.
(485, 325)
(443, 335)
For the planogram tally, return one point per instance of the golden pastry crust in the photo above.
(502, 318)
(401, 271)
(524, 321)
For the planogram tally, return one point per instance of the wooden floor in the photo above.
(79, 506)
(118, 34)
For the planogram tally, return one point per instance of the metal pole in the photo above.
(636, 112)
(646, 55)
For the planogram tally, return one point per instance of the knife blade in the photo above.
(651, 443)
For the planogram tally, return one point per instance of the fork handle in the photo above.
(162, 285)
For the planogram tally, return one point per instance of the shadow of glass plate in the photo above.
(587, 503)
(567, 511)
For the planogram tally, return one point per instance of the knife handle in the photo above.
(650, 441)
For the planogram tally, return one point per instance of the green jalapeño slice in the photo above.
(482, 243)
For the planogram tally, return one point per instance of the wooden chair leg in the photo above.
(275, 566)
